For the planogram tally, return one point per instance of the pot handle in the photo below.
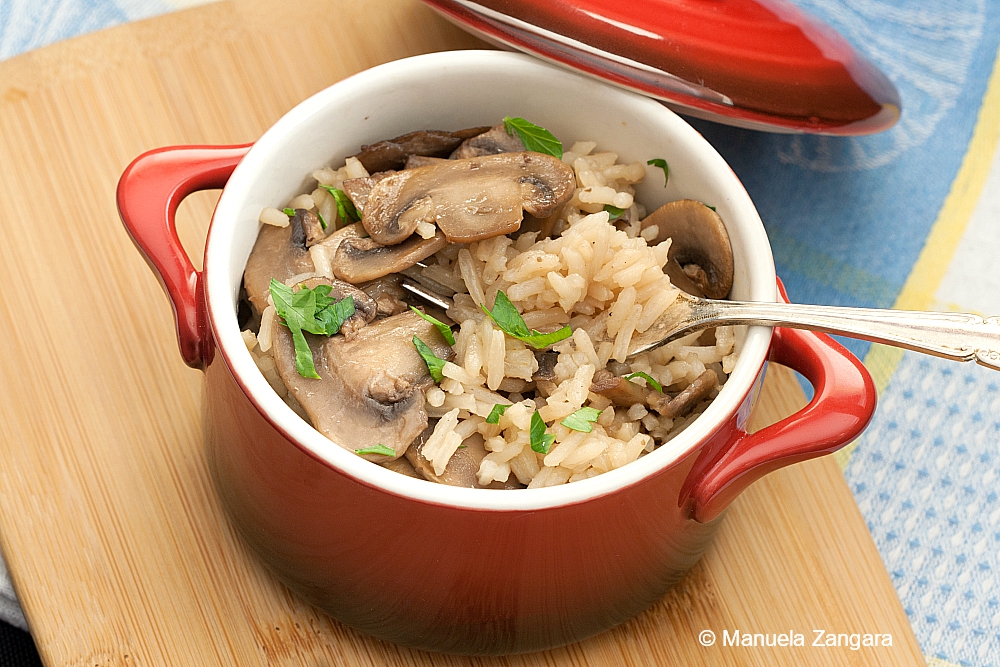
(149, 192)
(842, 405)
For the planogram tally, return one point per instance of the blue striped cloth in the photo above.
(909, 218)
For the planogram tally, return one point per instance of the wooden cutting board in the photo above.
(118, 547)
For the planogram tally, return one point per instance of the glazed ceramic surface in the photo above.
(761, 64)
(445, 568)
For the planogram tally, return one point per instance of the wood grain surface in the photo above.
(118, 547)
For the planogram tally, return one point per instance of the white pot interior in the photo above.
(454, 90)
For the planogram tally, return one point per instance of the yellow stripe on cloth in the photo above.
(953, 218)
(938, 662)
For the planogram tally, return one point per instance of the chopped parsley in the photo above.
(582, 420)
(312, 310)
(345, 207)
(441, 326)
(288, 211)
(434, 363)
(711, 207)
(534, 138)
(507, 318)
(322, 222)
(614, 212)
(650, 381)
(662, 164)
(377, 449)
(496, 413)
(541, 441)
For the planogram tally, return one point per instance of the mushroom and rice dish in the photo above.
(542, 267)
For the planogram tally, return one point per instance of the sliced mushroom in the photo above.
(700, 260)
(388, 294)
(392, 153)
(682, 403)
(370, 389)
(402, 466)
(312, 228)
(545, 377)
(390, 284)
(513, 385)
(279, 253)
(415, 161)
(330, 244)
(359, 260)
(357, 189)
(621, 392)
(496, 140)
(365, 307)
(469, 200)
(544, 228)
(390, 305)
(463, 467)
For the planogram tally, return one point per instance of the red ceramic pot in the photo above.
(468, 570)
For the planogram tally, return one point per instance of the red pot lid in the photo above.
(763, 64)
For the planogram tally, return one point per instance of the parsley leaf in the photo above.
(303, 355)
(434, 363)
(441, 326)
(295, 309)
(582, 420)
(614, 212)
(288, 211)
(496, 413)
(312, 310)
(650, 381)
(332, 316)
(662, 164)
(507, 318)
(711, 207)
(345, 207)
(541, 441)
(377, 449)
(534, 138)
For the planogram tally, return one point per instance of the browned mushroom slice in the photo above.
(463, 467)
(700, 260)
(370, 389)
(545, 377)
(279, 253)
(359, 260)
(544, 228)
(388, 294)
(415, 161)
(312, 228)
(357, 189)
(402, 466)
(365, 307)
(496, 140)
(469, 200)
(330, 244)
(622, 393)
(682, 403)
(392, 153)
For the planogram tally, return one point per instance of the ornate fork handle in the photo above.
(957, 336)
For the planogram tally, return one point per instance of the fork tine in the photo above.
(427, 295)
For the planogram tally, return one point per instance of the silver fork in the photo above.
(956, 336)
